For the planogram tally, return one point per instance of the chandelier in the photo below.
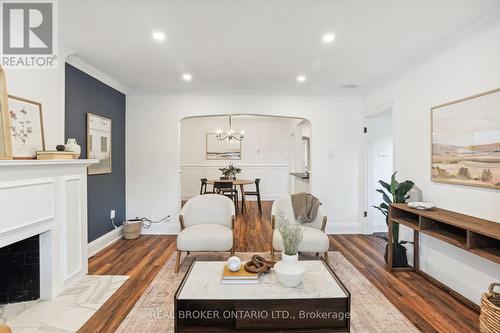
(229, 135)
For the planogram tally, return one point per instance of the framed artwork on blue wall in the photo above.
(99, 144)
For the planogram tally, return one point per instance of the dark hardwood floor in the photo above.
(429, 307)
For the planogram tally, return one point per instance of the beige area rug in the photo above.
(370, 310)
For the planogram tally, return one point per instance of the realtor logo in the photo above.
(28, 34)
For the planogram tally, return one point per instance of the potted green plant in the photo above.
(394, 192)
(230, 171)
(289, 271)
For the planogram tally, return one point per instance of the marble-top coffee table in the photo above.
(203, 304)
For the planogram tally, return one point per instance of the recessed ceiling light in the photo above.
(187, 77)
(328, 38)
(158, 35)
(301, 78)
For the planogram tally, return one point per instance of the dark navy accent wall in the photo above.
(85, 94)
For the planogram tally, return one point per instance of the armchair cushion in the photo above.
(205, 237)
(314, 240)
(208, 208)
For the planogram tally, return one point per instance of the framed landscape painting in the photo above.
(99, 143)
(222, 150)
(466, 141)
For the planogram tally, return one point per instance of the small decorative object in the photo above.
(415, 194)
(60, 147)
(421, 205)
(259, 265)
(222, 150)
(233, 264)
(99, 143)
(489, 320)
(132, 228)
(5, 136)
(230, 171)
(466, 141)
(399, 193)
(54, 155)
(26, 127)
(73, 147)
(289, 271)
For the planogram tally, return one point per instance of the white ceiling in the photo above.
(261, 45)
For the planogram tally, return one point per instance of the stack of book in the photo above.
(239, 277)
(54, 155)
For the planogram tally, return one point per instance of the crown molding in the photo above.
(372, 112)
(443, 46)
(75, 61)
(333, 93)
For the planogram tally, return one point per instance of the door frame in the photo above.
(369, 115)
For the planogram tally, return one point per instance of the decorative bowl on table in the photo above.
(421, 205)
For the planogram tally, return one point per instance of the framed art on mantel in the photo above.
(26, 123)
(466, 141)
(99, 144)
(5, 138)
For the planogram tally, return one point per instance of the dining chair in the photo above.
(256, 193)
(228, 189)
(203, 187)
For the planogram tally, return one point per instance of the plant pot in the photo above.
(289, 271)
(399, 258)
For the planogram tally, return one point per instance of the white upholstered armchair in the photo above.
(314, 237)
(207, 223)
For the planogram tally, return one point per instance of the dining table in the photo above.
(237, 182)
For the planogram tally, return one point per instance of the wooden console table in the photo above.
(472, 234)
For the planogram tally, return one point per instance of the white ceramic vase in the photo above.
(289, 271)
(74, 147)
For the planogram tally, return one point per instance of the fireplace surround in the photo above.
(44, 202)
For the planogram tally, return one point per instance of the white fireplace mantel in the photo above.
(47, 198)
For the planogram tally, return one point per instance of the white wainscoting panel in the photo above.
(274, 178)
(27, 206)
(72, 229)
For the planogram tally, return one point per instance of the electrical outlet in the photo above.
(113, 214)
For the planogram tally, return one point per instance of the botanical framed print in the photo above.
(466, 141)
(222, 149)
(26, 123)
(5, 136)
(99, 143)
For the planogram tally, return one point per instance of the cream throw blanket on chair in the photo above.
(305, 207)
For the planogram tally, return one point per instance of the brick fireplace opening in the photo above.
(20, 271)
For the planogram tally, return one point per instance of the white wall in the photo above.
(467, 69)
(153, 154)
(265, 152)
(45, 86)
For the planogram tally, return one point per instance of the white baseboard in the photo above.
(264, 197)
(343, 228)
(104, 241)
(169, 228)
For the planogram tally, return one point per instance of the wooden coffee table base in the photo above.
(263, 315)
